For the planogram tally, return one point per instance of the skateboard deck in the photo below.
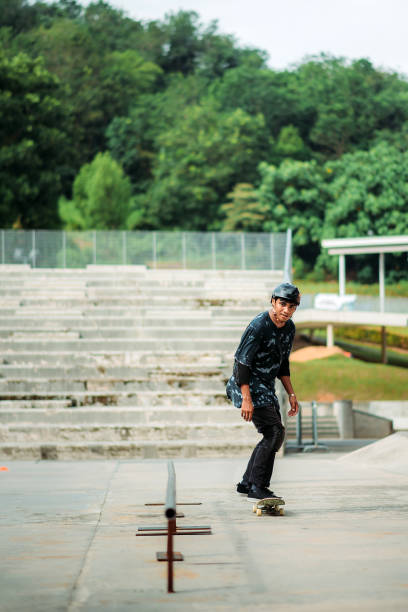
(269, 505)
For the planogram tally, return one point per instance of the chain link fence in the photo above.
(184, 250)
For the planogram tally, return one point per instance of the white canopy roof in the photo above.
(368, 244)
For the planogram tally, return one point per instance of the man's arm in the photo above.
(294, 406)
(247, 407)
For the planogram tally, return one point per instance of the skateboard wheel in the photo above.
(259, 512)
(254, 508)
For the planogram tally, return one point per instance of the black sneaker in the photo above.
(271, 493)
(242, 488)
(257, 493)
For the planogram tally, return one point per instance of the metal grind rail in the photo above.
(172, 529)
(315, 445)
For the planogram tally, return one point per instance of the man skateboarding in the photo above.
(263, 355)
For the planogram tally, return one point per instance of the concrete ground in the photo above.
(67, 537)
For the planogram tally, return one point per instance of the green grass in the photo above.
(339, 377)
(367, 351)
(394, 290)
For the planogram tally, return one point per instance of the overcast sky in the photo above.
(289, 30)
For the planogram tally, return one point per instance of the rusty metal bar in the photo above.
(185, 527)
(170, 512)
(178, 503)
(170, 532)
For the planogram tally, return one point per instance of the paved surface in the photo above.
(67, 537)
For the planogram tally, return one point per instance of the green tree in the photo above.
(295, 194)
(368, 195)
(199, 160)
(111, 29)
(243, 211)
(101, 197)
(99, 84)
(33, 148)
(124, 78)
(290, 144)
(256, 89)
(346, 103)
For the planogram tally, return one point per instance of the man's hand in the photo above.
(247, 409)
(294, 406)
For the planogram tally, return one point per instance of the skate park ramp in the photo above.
(390, 453)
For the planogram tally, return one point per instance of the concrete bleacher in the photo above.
(122, 361)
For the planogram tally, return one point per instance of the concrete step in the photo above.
(13, 407)
(102, 272)
(135, 449)
(86, 325)
(180, 369)
(120, 398)
(131, 415)
(98, 432)
(29, 421)
(127, 333)
(103, 358)
(118, 282)
(203, 302)
(92, 311)
(124, 345)
(105, 384)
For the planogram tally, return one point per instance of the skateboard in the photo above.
(269, 505)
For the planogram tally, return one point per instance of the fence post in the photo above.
(124, 248)
(381, 279)
(287, 274)
(272, 251)
(243, 263)
(184, 249)
(213, 252)
(34, 258)
(342, 275)
(3, 247)
(64, 249)
(94, 247)
(154, 250)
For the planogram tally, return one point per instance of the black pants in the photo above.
(267, 421)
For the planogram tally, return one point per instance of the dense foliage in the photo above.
(111, 122)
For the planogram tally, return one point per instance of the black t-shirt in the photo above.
(265, 349)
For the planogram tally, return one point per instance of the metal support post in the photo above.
(124, 248)
(316, 444)
(3, 247)
(213, 251)
(243, 262)
(154, 250)
(381, 275)
(34, 257)
(299, 428)
(94, 247)
(170, 533)
(329, 336)
(272, 251)
(64, 249)
(287, 270)
(342, 275)
(184, 249)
